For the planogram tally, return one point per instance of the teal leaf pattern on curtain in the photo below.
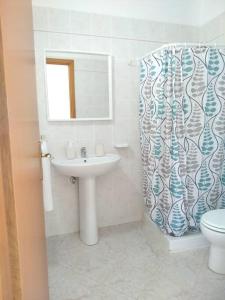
(182, 122)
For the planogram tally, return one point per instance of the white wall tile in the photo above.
(59, 41)
(80, 22)
(40, 18)
(80, 43)
(121, 49)
(101, 44)
(100, 25)
(220, 40)
(122, 27)
(103, 133)
(214, 31)
(59, 20)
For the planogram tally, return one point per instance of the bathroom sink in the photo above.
(86, 167)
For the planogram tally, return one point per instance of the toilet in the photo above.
(213, 228)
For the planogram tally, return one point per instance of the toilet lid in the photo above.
(214, 219)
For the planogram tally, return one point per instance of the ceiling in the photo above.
(189, 12)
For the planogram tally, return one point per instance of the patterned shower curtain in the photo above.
(182, 121)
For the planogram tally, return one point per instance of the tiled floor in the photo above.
(124, 266)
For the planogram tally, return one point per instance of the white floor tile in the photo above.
(122, 266)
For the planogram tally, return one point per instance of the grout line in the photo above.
(215, 37)
(101, 36)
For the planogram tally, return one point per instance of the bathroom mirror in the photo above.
(78, 86)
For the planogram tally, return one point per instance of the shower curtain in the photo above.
(182, 122)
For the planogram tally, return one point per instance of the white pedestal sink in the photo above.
(87, 169)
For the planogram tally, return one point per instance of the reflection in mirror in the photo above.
(78, 86)
(60, 83)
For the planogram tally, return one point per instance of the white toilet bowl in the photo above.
(213, 228)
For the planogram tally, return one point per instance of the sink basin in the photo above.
(86, 167)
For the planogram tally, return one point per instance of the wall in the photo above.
(192, 12)
(160, 10)
(209, 10)
(21, 205)
(119, 194)
(214, 31)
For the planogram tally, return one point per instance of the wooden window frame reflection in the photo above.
(70, 64)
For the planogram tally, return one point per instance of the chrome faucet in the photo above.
(83, 152)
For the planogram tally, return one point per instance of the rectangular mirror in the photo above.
(78, 85)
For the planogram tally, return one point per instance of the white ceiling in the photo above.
(190, 12)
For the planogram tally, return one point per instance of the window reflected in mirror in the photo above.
(61, 89)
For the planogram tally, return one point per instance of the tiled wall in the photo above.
(119, 194)
(214, 31)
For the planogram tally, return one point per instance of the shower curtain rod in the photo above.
(182, 45)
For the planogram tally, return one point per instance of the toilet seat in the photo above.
(219, 230)
(214, 220)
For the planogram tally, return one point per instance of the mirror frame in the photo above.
(110, 98)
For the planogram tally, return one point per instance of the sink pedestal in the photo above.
(88, 213)
(87, 169)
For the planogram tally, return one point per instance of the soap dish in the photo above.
(120, 146)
